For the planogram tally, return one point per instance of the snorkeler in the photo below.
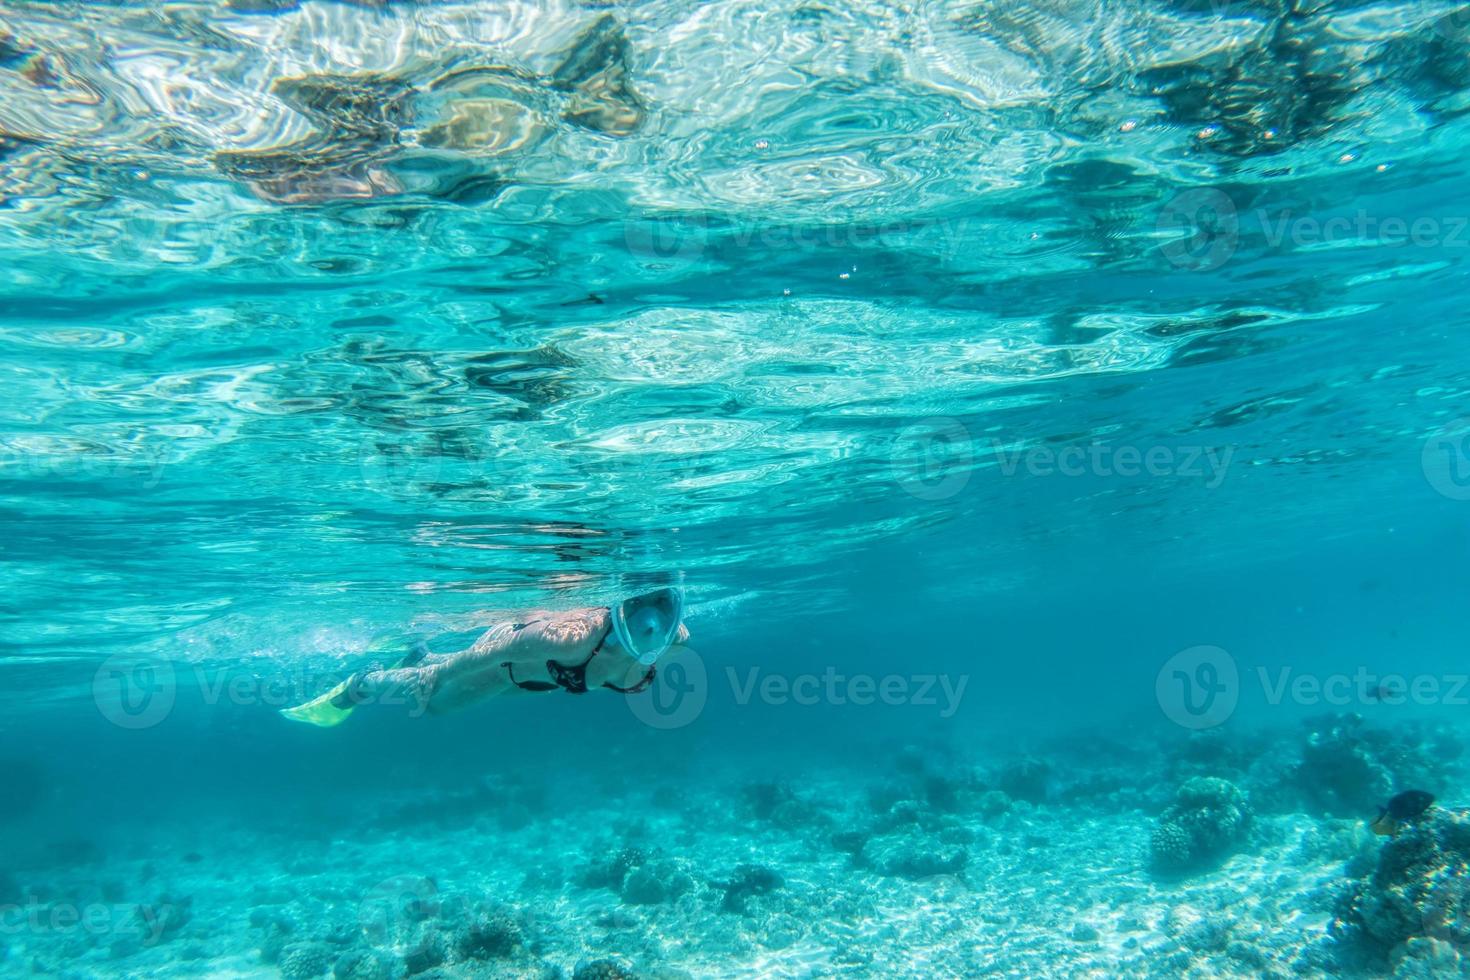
(581, 650)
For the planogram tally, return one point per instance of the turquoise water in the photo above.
(1043, 405)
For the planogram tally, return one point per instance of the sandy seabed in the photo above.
(1202, 855)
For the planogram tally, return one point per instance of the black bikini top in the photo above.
(572, 678)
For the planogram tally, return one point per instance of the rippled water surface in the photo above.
(318, 317)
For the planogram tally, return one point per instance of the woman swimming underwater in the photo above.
(598, 648)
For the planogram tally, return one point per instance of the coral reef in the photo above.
(656, 882)
(301, 961)
(363, 964)
(1348, 768)
(745, 882)
(764, 798)
(1421, 958)
(1026, 779)
(1415, 905)
(924, 862)
(165, 917)
(489, 936)
(779, 805)
(430, 951)
(603, 970)
(609, 872)
(1208, 818)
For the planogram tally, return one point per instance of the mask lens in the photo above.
(647, 624)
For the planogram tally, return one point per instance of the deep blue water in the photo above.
(971, 363)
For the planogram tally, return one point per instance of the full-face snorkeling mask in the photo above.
(647, 625)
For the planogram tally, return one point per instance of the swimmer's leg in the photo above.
(409, 686)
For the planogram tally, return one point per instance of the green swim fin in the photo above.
(321, 712)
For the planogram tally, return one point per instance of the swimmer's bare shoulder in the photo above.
(577, 631)
(539, 635)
